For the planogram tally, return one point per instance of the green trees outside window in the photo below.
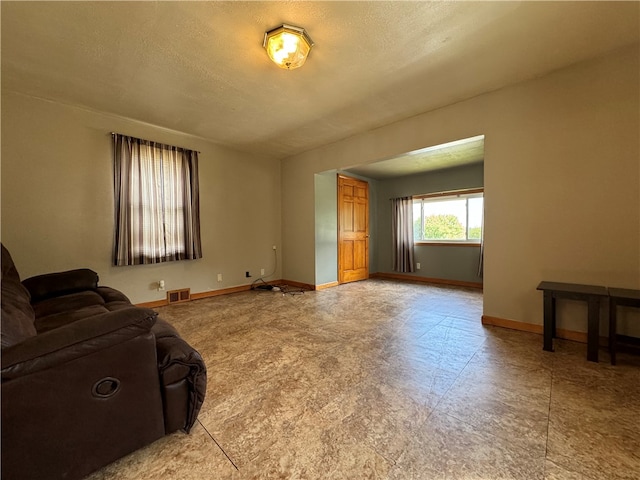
(448, 218)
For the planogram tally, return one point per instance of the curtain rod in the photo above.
(161, 143)
(449, 193)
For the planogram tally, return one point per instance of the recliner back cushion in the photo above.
(17, 314)
(9, 272)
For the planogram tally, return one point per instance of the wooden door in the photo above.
(353, 229)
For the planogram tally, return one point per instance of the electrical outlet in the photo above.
(418, 266)
(160, 285)
(219, 277)
(262, 271)
(274, 247)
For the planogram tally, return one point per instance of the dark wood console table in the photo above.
(619, 296)
(591, 294)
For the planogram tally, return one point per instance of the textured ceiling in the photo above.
(461, 152)
(199, 67)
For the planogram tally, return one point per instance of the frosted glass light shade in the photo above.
(287, 46)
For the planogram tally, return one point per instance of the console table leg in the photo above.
(593, 330)
(549, 321)
(612, 330)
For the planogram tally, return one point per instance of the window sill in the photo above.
(448, 244)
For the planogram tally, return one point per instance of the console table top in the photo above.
(625, 293)
(574, 288)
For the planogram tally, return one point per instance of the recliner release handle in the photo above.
(105, 388)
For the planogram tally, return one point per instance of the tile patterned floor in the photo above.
(391, 380)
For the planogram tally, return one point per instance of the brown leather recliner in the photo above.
(86, 376)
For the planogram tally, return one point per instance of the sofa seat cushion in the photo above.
(113, 299)
(58, 311)
(112, 296)
(56, 320)
(67, 303)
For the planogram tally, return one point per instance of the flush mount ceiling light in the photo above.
(287, 46)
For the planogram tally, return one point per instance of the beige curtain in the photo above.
(402, 231)
(157, 210)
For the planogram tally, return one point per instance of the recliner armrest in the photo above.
(75, 340)
(60, 283)
(183, 378)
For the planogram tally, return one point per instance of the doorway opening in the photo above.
(456, 165)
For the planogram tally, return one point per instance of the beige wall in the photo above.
(562, 183)
(57, 201)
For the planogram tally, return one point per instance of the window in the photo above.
(449, 217)
(157, 202)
